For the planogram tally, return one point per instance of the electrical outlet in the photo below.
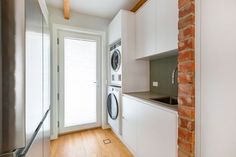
(155, 84)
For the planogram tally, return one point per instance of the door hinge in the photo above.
(58, 124)
(58, 96)
(57, 41)
(58, 68)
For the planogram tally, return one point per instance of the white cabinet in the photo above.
(166, 25)
(156, 132)
(114, 29)
(148, 130)
(122, 27)
(156, 28)
(145, 29)
(129, 123)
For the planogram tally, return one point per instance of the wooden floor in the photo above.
(89, 143)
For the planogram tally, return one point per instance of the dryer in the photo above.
(116, 64)
(114, 108)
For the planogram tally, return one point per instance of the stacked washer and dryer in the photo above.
(125, 73)
(114, 87)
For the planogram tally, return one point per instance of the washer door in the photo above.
(116, 60)
(112, 106)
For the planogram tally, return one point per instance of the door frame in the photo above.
(55, 81)
(61, 75)
(88, 37)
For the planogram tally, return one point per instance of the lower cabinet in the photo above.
(129, 124)
(149, 131)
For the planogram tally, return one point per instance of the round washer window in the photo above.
(112, 106)
(116, 60)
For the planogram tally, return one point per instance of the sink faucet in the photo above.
(173, 75)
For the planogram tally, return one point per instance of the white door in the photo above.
(79, 77)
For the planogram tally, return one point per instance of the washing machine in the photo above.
(116, 64)
(114, 109)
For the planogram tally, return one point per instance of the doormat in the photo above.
(107, 141)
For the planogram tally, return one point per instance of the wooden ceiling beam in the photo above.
(67, 9)
(138, 5)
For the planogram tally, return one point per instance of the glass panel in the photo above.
(46, 68)
(34, 82)
(79, 82)
(115, 60)
(112, 106)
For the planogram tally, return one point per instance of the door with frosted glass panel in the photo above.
(79, 77)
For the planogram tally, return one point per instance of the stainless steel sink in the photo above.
(167, 100)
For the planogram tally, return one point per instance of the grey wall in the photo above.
(161, 71)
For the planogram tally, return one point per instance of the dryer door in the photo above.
(112, 106)
(116, 60)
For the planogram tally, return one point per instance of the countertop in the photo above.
(146, 96)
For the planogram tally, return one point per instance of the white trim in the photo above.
(198, 79)
(97, 39)
(102, 34)
(44, 9)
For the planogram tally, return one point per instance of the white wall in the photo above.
(216, 23)
(80, 22)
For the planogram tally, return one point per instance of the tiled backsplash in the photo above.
(161, 72)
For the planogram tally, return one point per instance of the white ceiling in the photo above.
(101, 8)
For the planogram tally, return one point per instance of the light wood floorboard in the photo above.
(89, 143)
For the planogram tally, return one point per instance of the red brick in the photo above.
(184, 78)
(186, 55)
(186, 33)
(186, 135)
(186, 21)
(183, 154)
(186, 146)
(186, 112)
(187, 124)
(186, 90)
(186, 67)
(187, 9)
(186, 101)
(187, 44)
(184, 2)
(186, 72)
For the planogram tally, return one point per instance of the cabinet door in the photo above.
(114, 30)
(156, 132)
(166, 25)
(129, 123)
(146, 29)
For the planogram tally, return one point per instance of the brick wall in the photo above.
(186, 70)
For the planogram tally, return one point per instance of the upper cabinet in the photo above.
(122, 27)
(114, 29)
(145, 29)
(156, 28)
